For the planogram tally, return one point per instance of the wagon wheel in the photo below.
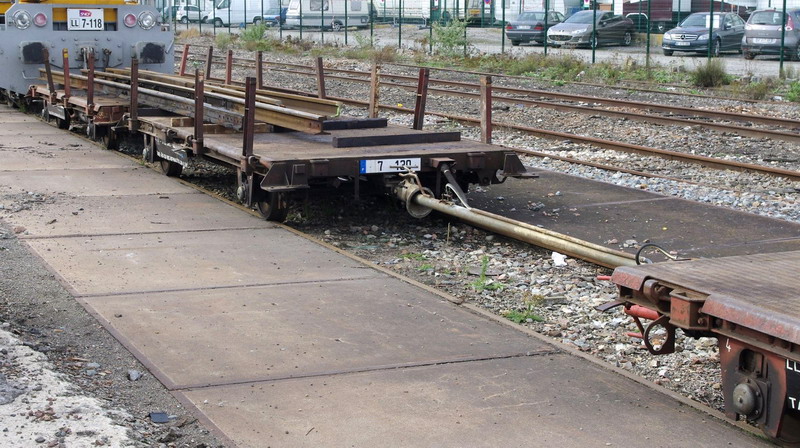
(109, 139)
(275, 207)
(171, 169)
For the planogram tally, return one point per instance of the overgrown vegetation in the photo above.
(794, 92)
(710, 74)
(449, 39)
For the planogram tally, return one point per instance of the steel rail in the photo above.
(230, 116)
(744, 131)
(688, 111)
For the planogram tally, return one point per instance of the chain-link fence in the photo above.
(594, 30)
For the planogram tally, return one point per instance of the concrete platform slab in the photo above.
(36, 157)
(70, 215)
(24, 126)
(599, 212)
(134, 180)
(537, 401)
(309, 329)
(101, 265)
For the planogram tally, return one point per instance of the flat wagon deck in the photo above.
(752, 305)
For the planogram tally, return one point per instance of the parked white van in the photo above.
(328, 14)
(239, 12)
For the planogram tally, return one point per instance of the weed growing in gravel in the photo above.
(526, 314)
(758, 90)
(483, 283)
(414, 256)
(711, 74)
(425, 267)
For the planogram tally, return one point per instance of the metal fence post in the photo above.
(594, 30)
(710, 29)
(649, 27)
(430, 23)
(546, 26)
(502, 30)
(781, 73)
(345, 22)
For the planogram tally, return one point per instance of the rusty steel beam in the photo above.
(133, 92)
(229, 67)
(51, 87)
(90, 84)
(184, 57)
(65, 54)
(249, 117)
(325, 107)
(486, 109)
(422, 98)
(320, 78)
(372, 109)
(209, 61)
(259, 69)
(199, 102)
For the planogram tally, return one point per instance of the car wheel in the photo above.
(668, 52)
(515, 43)
(184, 20)
(257, 21)
(336, 26)
(218, 23)
(797, 53)
(716, 48)
(749, 56)
(627, 39)
(595, 41)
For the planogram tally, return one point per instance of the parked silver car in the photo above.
(762, 34)
(577, 30)
(692, 34)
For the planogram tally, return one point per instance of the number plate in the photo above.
(80, 19)
(524, 27)
(682, 44)
(793, 386)
(389, 165)
(763, 41)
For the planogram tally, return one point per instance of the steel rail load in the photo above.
(113, 31)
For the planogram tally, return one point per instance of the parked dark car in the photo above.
(762, 34)
(577, 30)
(692, 34)
(530, 27)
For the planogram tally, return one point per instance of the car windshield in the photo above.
(581, 17)
(766, 18)
(273, 11)
(530, 16)
(699, 20)
(224, 4)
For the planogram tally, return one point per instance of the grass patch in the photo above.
(189, 34)
(224, 41)
(449, 39)
(710, 74)
(526, 313)
(414, 256)
(794, 92)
